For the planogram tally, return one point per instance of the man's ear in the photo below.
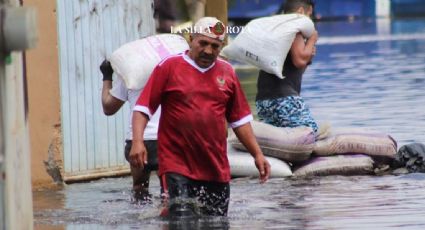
(301, 10)
(191, 37)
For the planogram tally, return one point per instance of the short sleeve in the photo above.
(238, 111)
(119, 90)
(150, 98)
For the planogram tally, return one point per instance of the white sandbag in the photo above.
(288, 144)
(242, 165)
(265, 42)
(336, 165)
(349, 140)
(135, 61)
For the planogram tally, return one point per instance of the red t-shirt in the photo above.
(196, 105)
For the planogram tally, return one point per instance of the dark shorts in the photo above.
(189, 198)
(151, 147)
(288, 111)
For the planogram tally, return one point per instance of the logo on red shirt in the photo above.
(221, 81)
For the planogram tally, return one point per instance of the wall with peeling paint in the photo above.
(43, 90)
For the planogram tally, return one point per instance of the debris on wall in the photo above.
(54, 162)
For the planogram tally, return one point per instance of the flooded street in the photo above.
(365, 74)
(333, 202)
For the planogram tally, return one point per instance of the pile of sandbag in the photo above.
(348, 151)
(282, 146)
(343, 151)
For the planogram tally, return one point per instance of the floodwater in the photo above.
(365, 74)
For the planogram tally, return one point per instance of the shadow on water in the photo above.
(368, 74)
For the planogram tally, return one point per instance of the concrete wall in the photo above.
(43, 93)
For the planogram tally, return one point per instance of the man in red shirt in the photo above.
(199, 96)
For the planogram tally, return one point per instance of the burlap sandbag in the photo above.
(357, 164)
(288, 144)
(348, 140)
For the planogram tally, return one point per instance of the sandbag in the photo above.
(357, 164)
(288, 144)
(135, 61)
(343, 141)
(242, 165)
(265, 42)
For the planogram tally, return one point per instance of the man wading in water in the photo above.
(199, 96)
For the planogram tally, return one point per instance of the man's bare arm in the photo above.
(247, 138)
(138, 154)
(303, 51)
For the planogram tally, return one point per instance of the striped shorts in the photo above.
(288, 111)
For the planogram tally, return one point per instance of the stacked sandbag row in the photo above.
(339, 152)
(348, 151)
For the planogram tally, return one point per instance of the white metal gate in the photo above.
(89, 31)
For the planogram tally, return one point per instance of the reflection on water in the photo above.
(352, 82)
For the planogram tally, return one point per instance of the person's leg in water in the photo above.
(141, 176)
(189, 198)
(214, 198)
(140, 184)
(182, 199)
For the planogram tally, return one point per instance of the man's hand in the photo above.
(263, 167)
(138, 154)
(106, 70)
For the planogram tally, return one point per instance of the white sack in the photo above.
(242, 165)
(265, 42)
(135, 61)
(336, 165)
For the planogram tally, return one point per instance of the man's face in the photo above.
(204, 50)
